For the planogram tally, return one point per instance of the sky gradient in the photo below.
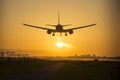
(93, 40)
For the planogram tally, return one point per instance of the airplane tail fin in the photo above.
(58, 18)
(59, 21)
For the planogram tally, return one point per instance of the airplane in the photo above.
(59, 28)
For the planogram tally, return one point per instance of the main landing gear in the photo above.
(66, 34)
(53, 34)
(60, 34)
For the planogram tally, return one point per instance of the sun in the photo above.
(60, 44)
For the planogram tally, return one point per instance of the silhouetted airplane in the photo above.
(59, 28)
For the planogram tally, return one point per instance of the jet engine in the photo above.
(70, 31)
(49, 31)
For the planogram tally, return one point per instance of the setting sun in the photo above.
(60, 44)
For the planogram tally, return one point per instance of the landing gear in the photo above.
(53, 34)
(65, 34)
(60, 34)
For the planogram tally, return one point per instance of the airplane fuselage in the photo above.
(59, 28)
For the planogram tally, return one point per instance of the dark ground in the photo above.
(60, 70)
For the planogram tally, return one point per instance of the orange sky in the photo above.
(93, 40)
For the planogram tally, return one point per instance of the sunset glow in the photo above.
(59, 39)
(93, 40)
(60, 44)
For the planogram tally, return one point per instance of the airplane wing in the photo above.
(80, 27)
(39, 27)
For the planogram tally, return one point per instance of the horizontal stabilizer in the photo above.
(67, 25)
(51, 25)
